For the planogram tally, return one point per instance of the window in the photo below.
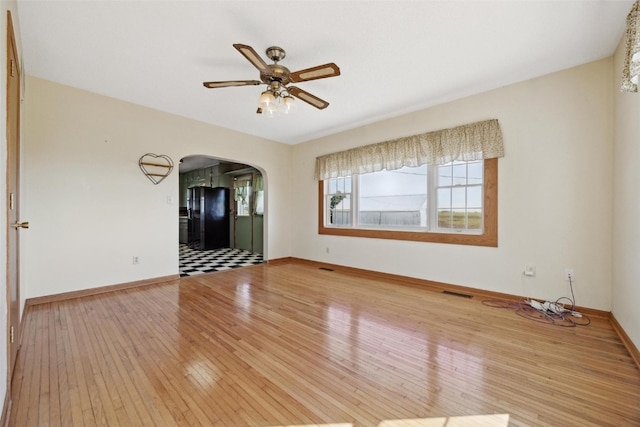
(242, 189)
(451, 203)
(379, 191)
(338, 201)
(258, 188)
(459, 196)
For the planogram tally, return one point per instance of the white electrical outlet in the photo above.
(135, 260)
(530, 271)
(568, 275)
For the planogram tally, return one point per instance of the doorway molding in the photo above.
(201, 159)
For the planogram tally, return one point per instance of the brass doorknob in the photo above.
(21, 225)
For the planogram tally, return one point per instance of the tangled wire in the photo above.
(553, 313)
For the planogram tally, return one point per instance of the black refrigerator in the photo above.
(209, 212)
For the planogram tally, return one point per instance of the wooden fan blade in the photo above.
(213, 85)
(313, 73)
(305, 96)
(253, 57)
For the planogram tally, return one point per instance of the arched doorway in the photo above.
(212, 237)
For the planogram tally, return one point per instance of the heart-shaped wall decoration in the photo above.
(156, 167)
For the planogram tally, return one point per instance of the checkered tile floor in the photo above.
(193, 262)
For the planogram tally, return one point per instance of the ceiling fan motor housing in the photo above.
(278, 73)
(275, 53)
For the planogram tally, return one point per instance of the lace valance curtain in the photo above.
(475, 141)
(631, 69)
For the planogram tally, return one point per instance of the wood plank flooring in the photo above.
(289, 344)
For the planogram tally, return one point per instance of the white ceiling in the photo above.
(395, 56)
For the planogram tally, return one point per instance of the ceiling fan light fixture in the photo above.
(267, 101)
(288, 105)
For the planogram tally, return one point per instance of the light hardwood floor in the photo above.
(291, 344)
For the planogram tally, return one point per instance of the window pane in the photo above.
(444, 198)
(444, 176)
(338, 202)
(347, 184)
(458, 197)
(339, 209)
(339, 185)
(393, 198)
(444, 218)
(243, 197)
(460, 174)
(458, 219)
(474, 219)
(332, 186)
(474, 197)
(474, 173)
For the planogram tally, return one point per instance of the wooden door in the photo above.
(13, 192)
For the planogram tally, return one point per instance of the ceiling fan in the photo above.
(279, 95)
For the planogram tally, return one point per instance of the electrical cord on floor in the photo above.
(553, 313)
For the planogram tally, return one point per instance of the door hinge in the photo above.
(13, 68)
(11, 334)
(12, 199)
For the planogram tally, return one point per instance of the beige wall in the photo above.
(90, 207)
(554, 192)
(626, 206)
